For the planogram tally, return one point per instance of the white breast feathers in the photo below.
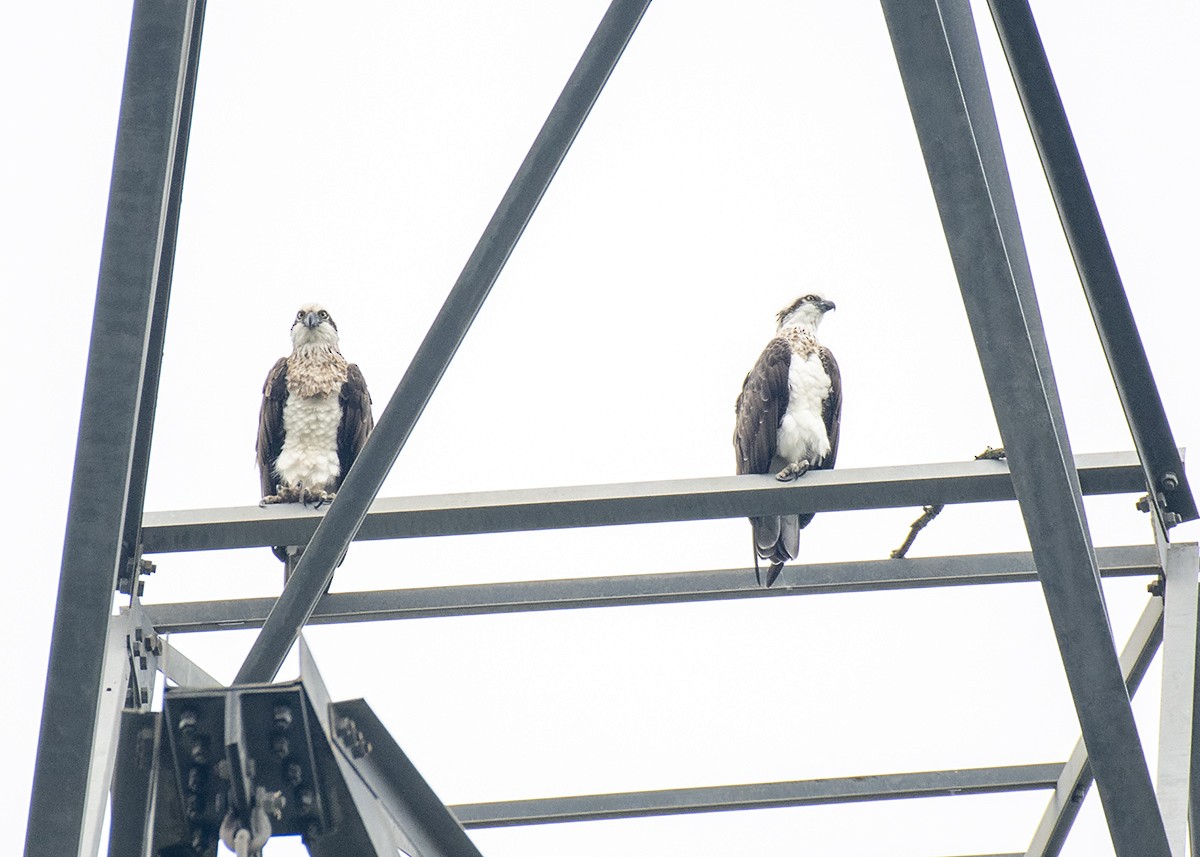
(802, 435)
(309, 456)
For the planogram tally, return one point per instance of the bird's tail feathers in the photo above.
(777, 540)
(772, 574)
(766, 535)
(788, 546)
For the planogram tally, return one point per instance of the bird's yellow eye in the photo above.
(300, 314)
(810, 297)
(323, 314)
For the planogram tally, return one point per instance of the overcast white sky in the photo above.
(741, 154)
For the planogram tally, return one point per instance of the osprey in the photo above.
(788, 419)
(315, 415)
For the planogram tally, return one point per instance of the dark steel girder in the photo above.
(1094, 260)
(637, 589)
(362, 483)
(120, 382)
(940, 62)
(628, 503)
(757, 796)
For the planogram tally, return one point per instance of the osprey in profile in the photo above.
(788, 419)
(315, 416)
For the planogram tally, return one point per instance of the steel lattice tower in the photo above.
(343, 755)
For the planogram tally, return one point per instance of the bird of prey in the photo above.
(788, 419)
(315, 415)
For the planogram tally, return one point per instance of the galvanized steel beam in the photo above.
(1175, 751)
(397, 808)
(146, 807)
(114, 684)
(113, 439)
(1094, 260)
(636, 589)
(1076, 778)
(347, 512)
(757, 796)
(1194, 777)
(162, 294)
(940, 62)
(397, 785)
(629, 503)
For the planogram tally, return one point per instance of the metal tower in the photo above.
(261, 756)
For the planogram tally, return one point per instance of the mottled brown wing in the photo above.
(270, 426)
(832, 409)
(357, 420)
(760, 406)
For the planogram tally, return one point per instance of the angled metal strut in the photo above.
(941, 65)
(1094, 260)
(362, 483)
(105, 508)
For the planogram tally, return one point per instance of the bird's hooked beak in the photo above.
(826, 306)
(312, 320)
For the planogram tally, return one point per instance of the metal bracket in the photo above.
(246, 764)
(129, 580)
(145, 649)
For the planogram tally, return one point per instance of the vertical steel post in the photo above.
(315, 569)
(135, 784)
(137, 239)
(1178, 691)
(1094, 260)
(941, 65)
(1194, 773)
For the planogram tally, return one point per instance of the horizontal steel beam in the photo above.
(635, 589)
(758, 796)
(628, 503)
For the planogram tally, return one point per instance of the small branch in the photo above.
(931, 512)
(919, 524)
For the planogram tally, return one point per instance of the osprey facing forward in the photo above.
(315, 416)
(788, 419)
